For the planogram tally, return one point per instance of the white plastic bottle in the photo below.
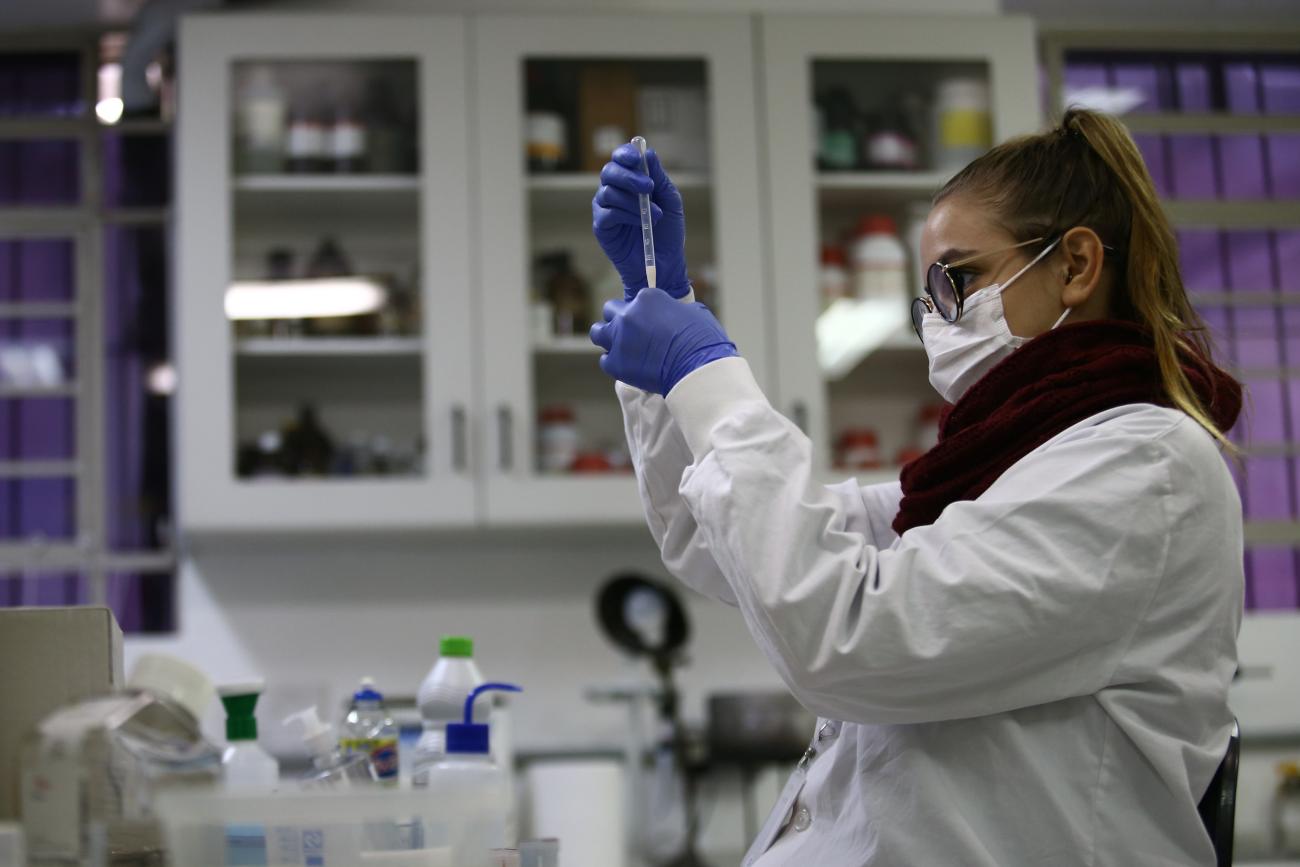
(879, 260)
(468, 767)
(441, 699)
(963, 126)
(262, 121)
(246, 768)
(245, 765)
(368, 729)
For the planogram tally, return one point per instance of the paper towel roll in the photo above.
(581, 803)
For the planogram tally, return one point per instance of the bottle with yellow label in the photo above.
(963, 124)
(1286, 811)
(369, 730)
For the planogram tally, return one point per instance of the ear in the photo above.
(1079, 267)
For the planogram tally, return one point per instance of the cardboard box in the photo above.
(606, 97)
(49, 657)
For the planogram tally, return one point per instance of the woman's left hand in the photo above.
(653, 341)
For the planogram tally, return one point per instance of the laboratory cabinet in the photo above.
(386, 269)
(323, 314)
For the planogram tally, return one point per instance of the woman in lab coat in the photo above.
(1021, 653)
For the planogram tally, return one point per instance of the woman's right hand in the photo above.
(616, 222)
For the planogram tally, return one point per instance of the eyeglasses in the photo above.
(946, 286)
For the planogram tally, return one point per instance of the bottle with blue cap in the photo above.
(368, 730)
(468, 766)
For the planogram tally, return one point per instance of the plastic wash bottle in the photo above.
(469, 771)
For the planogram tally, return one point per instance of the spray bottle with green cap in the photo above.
(244, 763)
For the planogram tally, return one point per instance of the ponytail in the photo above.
(1154, 282)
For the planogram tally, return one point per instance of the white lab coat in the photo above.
(1039, 677)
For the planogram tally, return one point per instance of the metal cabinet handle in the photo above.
(799, 415)
(459, 439)
(506, 440)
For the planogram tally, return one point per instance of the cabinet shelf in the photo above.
(589, 181)
(839, 188)
(576, 345)
(301, 347)
(268, 204)
(312, 183)
(573, 190)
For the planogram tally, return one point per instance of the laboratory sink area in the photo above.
(649, 433)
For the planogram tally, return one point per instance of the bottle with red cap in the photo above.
(833, 277)
(879, 260)
(859, 449)
(927, 426)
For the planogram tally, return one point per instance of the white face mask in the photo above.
(962, 352)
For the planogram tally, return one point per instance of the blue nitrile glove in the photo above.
(654, 340)
(616, 222)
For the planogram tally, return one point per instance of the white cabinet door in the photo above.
(341, 396)
(669, 76)
(880, 67)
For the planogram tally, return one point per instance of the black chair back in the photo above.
(1218, 808)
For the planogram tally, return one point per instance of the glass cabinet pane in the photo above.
(324, 306)
(886, 135)
(577, 112)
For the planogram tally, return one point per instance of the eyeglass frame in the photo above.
(931, 303)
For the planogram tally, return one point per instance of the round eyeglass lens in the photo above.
(942, 291)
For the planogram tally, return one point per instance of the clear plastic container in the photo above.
(435, 827)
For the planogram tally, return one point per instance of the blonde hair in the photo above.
(1087, 171)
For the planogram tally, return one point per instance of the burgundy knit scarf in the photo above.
(1052, 382)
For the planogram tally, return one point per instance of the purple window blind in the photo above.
(40, 172)
(47, 172)
(45, 84)
(139, 456)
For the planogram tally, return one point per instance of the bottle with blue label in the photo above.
(368, 730)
